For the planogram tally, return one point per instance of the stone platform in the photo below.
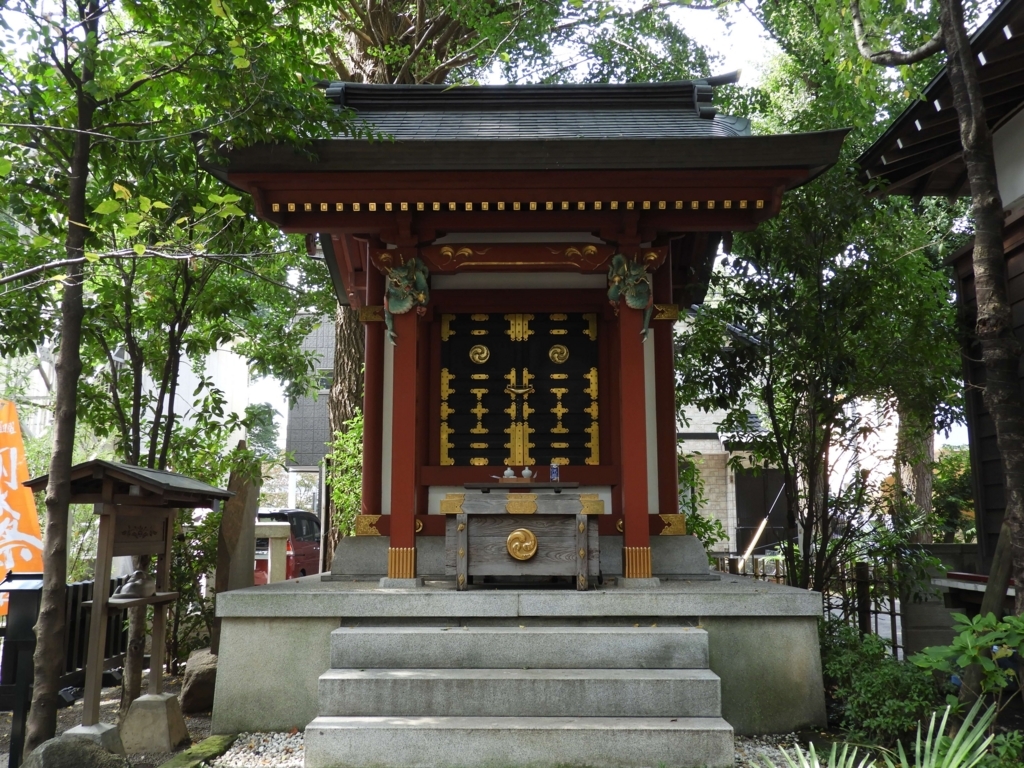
(745, 646)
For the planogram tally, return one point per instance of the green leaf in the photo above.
(5, 166)
(199, 210)
(217, 6)
(230, 210)
(107, 206)
(92, 257)
(160, 204)
(238, 50)
(145, 204)
(139, 249)
(40, 241)
(122, 192)
(241, 63)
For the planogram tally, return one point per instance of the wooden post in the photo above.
(665, 397)
(862, 577)
(373, 398)
(402, 550)
(633, 431)
(98, 616)
(163, 584)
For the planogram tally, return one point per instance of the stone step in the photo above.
(519, 647)
(520, 693)
(539, 742)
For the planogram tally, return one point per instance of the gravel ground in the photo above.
(282, 750)
(751, 751)
(264, 750)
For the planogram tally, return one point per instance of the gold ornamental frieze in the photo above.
(521, 504)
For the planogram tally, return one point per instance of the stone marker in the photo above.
(154, 724)
(73, 752)
(200, 680)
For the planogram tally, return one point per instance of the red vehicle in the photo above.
(303, 547)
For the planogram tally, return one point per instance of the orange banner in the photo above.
(21, 546)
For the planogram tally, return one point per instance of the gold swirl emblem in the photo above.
(522, 544)
(479, 354)
(559, 353)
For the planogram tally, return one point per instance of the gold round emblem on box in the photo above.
(521, 544)
(558, 354)
(479, 354)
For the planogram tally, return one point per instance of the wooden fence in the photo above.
(76, 642)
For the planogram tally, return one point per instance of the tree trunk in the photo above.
(346, 396)
(915, 456)
(49, 629)
(999, 347)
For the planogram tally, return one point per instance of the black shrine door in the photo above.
(519, 389)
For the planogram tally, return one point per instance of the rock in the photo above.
(200, 680)
(73, 752)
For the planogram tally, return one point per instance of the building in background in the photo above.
(308, 429)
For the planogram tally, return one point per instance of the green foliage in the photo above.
(967, 749)
(953, 496)
(692, 499)
(992, 644)
(345, 474)
(194, 556)
(834, 301)
(261, 435)
(872, 695)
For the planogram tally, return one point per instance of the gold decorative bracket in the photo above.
(451, 504)
(366, 525)
(371, 314)
(590, 504)
(666, 312)
(675, 525)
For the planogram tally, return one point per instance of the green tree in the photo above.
(76, 81)
(830, 304)
(953, 495)
(864, 39)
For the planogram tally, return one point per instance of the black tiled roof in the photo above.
(580, 124)
(525, 112)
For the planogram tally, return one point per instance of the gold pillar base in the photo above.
(637, 562)
(402, 562)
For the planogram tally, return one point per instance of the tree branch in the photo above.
(891, 58)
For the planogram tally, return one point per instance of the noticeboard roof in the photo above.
(175, 490)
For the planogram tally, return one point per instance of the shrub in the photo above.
(874, 697)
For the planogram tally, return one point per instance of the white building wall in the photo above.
(1007, 142)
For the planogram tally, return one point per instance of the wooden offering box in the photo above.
(522, 534)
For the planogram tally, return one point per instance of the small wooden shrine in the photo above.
(519, 255)
(136, 508)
